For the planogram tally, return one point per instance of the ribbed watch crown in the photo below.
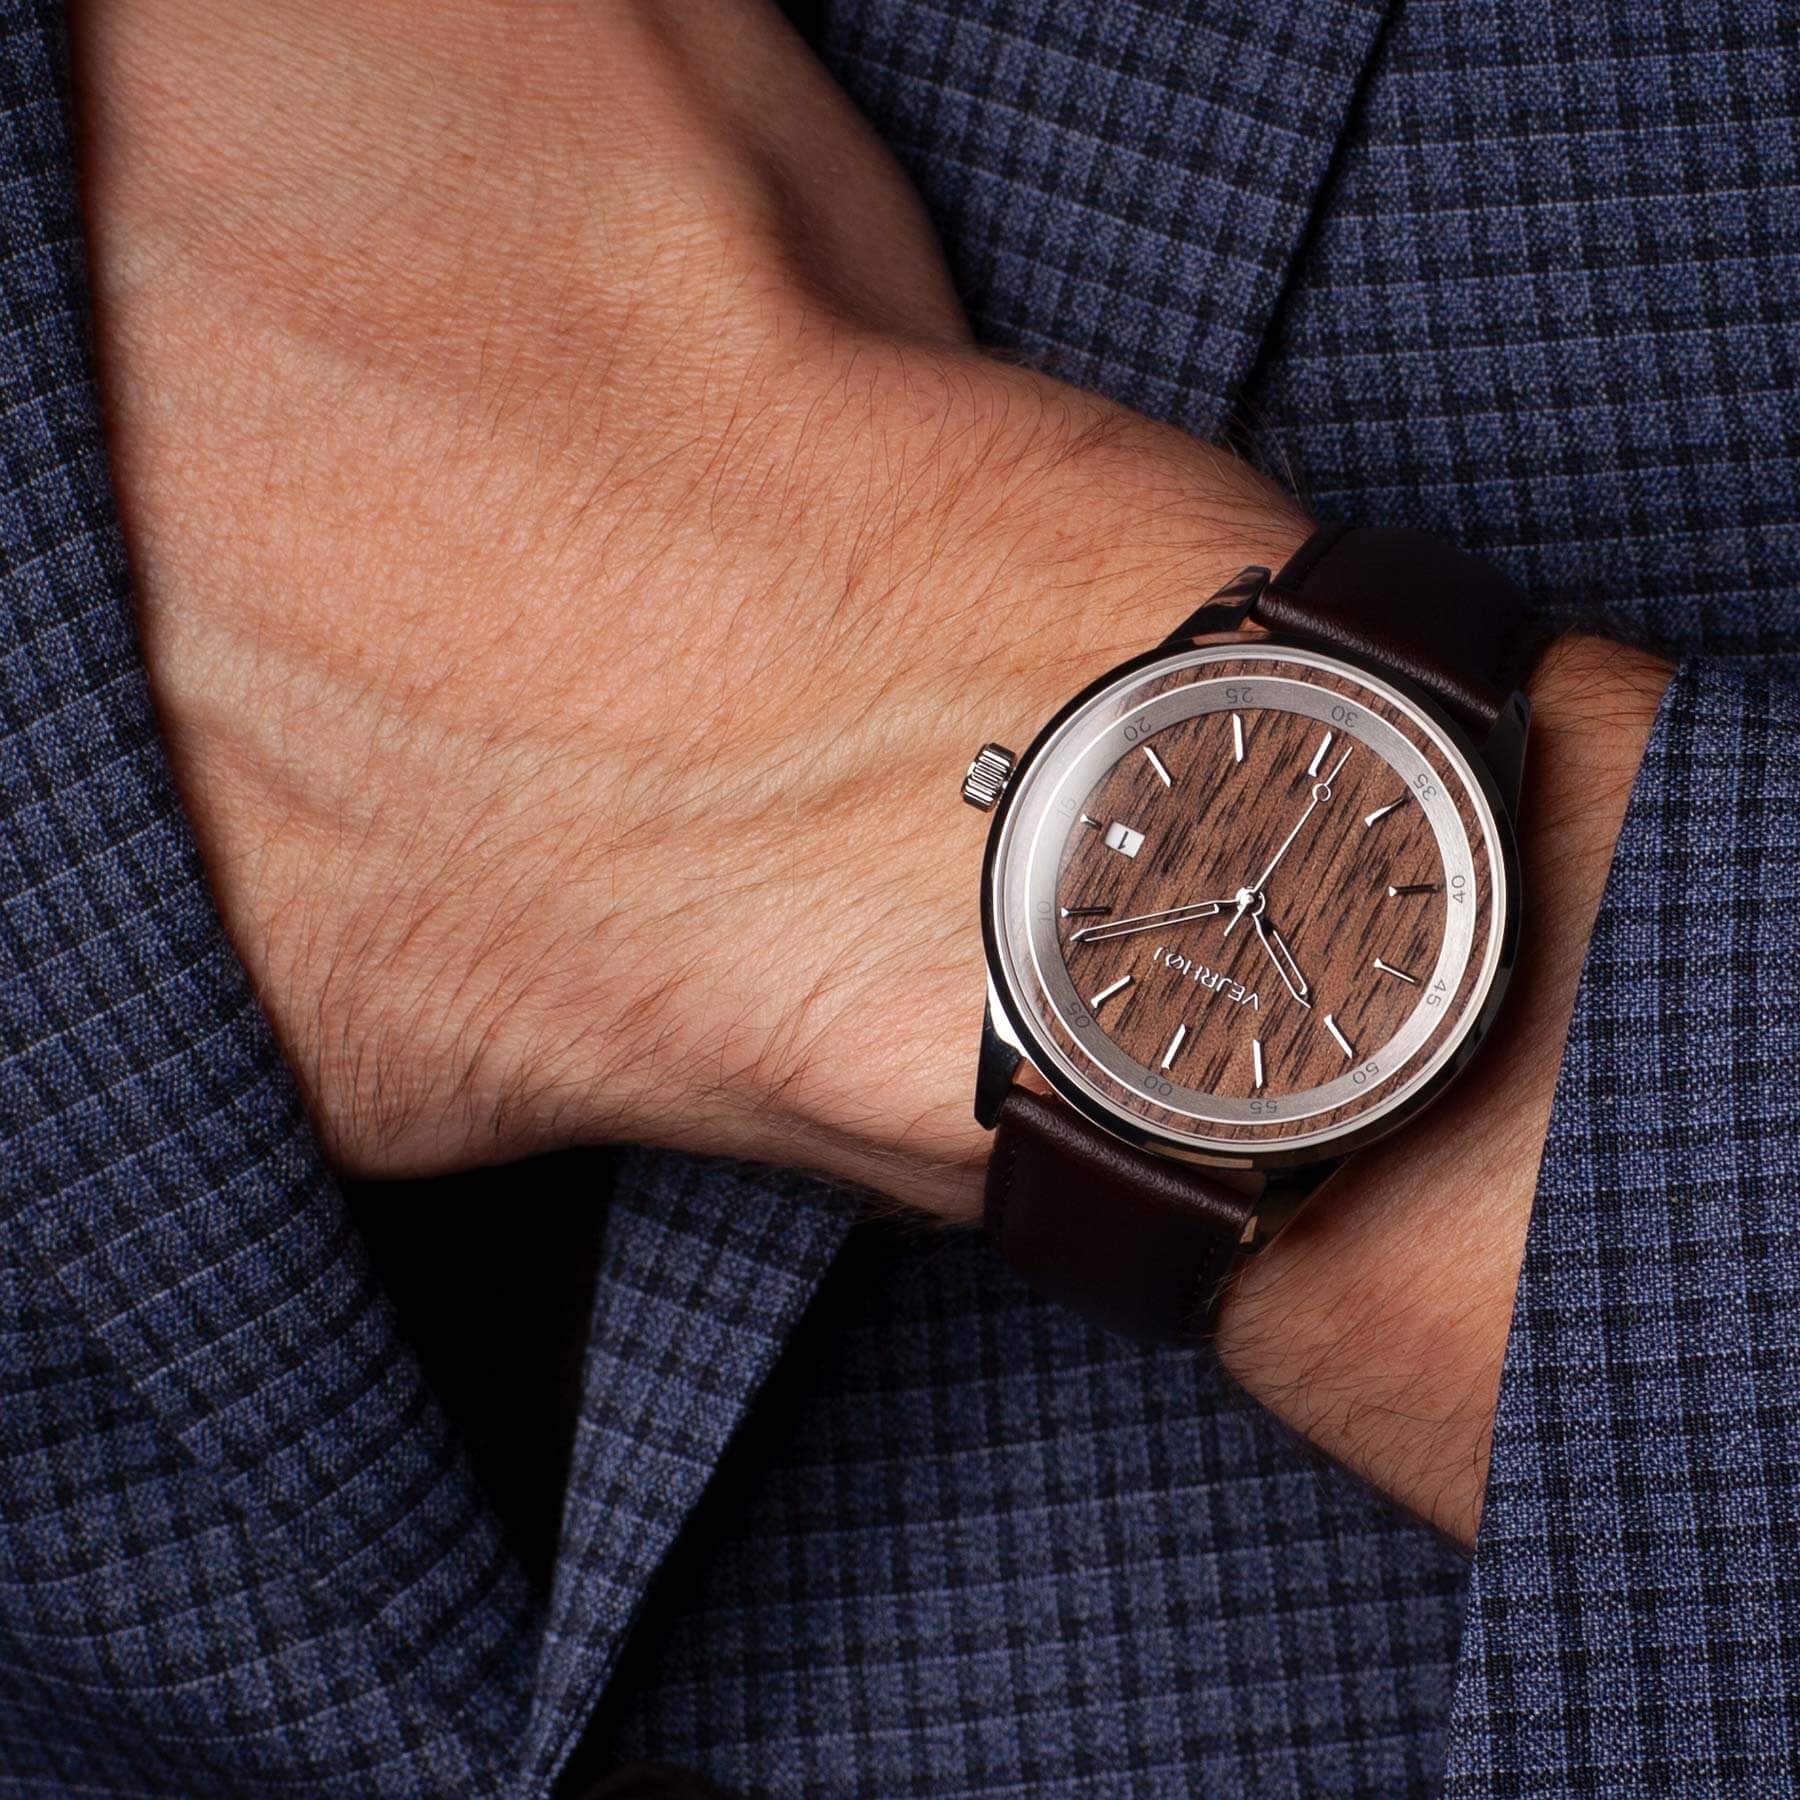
(988, 775)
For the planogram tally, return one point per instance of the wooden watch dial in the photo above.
(1258, 895)
(1213, 828)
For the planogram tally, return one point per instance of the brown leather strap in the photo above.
(1143, 1245)
(1404, 601)
(1137, 1243)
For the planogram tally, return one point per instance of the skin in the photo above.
(578, 546)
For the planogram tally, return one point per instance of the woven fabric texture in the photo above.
(1516, 271)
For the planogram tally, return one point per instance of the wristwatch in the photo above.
(1250, 901)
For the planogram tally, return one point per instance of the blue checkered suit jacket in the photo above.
(847, 1512)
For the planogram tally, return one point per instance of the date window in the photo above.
(1123, 839)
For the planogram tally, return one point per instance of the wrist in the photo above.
(1376, 1324)
(1073, 536)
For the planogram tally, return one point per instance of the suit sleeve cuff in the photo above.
(1642, 1504)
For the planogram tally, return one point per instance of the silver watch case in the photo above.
(1009, 1034)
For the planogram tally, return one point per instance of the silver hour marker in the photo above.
(1237, 736)
(1256, 1060)
(1086, 912)
(1156, 762)
(1398, 974)
(1319, 755)
(1106, 993)
(1381, 812)
(1123, 839)
(1174, 1045)
(1343, 1043)
(1092, 824)
(1417, 887)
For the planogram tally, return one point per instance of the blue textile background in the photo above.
(1515, 270)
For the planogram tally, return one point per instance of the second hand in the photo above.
(1321, 791)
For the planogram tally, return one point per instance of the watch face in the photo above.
(1251, 902)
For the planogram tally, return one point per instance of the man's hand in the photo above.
(578, 546)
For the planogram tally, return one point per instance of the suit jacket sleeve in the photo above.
(1635, 1578)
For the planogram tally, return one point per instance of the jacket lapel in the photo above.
(1124, 187)
(705, 1272)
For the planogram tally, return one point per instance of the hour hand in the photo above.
(1174, 915)
(1283, 959)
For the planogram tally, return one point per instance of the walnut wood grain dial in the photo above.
(1208, 829)
(1249, 898)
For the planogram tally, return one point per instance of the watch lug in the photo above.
(995, 1068)
(1284, 1193)
(1225, 611)
(1504, 751)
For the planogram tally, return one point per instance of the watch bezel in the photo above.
(1017, 1025)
